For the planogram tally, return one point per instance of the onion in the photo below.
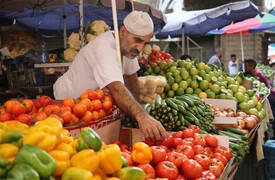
(230, 114)
(240, 118)
(241, 113)
(228, 109)
(217, 109)
(241, 123)
(250, 122)
(255, 117)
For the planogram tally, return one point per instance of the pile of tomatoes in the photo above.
(184, 155)
(156, 57)
(92, 105)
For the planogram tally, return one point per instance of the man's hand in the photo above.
(127, 103)
(151, 128)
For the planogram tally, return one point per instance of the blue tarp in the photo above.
(212, 23)
(50, 20)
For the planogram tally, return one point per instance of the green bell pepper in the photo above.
(133, 173)
(12, 137)
(88, 139)
(124, 162)
(4, 166)
(22, 172)
(37, 158)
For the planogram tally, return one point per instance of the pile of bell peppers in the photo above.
(47, 151)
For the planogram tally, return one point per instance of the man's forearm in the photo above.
(125, 101)
(131, 83)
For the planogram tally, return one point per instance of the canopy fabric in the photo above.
(51, 20)
(198, 23)
(249, 26)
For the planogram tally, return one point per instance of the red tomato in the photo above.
(149, 170)
(224, 151)
(188, 133)
(189, 141)
(165, 148)
(38, 104)
(211, 140)
(52, 109)
(158, 153)
(18, 109)
(181, 177)
(149, 142)
(221, 157)
(208, 151)
(128, 157)
(195, 128)
(177, 134)
(5, 116)
(191, 169)
(217, 162)
(198, 149)
(208, 175)
(40, 116)
(169, 142)
(24, 118)
(178, 141)
(199, 140)
(28, 105)
(186, 150)
(175, 158)
(124, 148)
(167, 169)
(203, 160)
(216, 170)
(45, 100)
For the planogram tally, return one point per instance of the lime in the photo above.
(178, 79)
(175, 86)
(250, 103)
(189, 90)
(154, 65)
(170, 62)
(180, 91)
(250, 92)
(193, 71)
(162, 73)
(184, 75)
(201, 66)
(239, 79)
(183, 84)
(223, 96)
(240, 96)
(171, 93)
(246, 98)
(207, 77)
(194, 84)
(262, 114)
(197, 91)
(204, 84)
(202, 73)
(146, 73)
(176, 73)
(181, 63)
(163, 95)
(216, 88)
(234, 87)
(211, 94)
(156, 70)
(207, 69)
(244, 106)
(170, 80)
(221, 78)
(169, 74)
(188, 65)
(163, 65)
(254, 111)
(242, 89)
(172, 69)
(189, 80)
(255, 100)
(167, 87)
(259, 106)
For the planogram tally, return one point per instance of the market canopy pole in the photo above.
(65, 25)
(81, 22)
(116, 32)
(241, 37)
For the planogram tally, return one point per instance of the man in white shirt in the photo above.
(96, 67)
(215, 59)
(233, 65)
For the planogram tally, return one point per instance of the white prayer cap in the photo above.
(139, 23)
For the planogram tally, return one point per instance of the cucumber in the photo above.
(189, 102)
(182, 109)
(178, 102)
(234, 130)
(237, 136)
(175, 112)
(171, 104)
(203, 132)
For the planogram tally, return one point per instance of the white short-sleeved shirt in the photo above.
(233, 69)
(94, 67)
(215, 60)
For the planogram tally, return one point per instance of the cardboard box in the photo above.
(130, 136)
(107, 128)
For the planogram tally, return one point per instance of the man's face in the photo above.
(233, 58)
(248, 68)
(131, 45)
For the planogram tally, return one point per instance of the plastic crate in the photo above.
(269, 159)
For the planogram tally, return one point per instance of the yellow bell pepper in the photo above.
(69, 148)
(141, 153)
(112, 178)
(66, 137)
(8, 151)
(97, 177)
(86, 159)
(100, 172)
(62, 160)
(55, 126)
(110, 158)
(17, 126)
(40, 139)
(75, 173)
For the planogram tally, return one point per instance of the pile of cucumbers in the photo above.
(238, 142)
(180, 112)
